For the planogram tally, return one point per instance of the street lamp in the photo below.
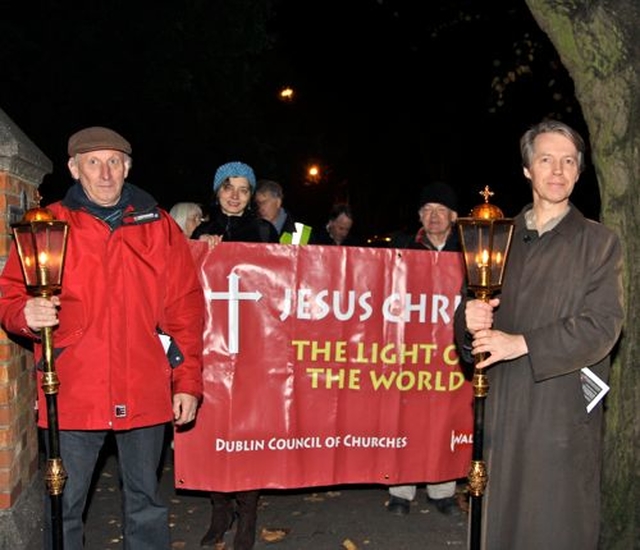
(286, 94)
(41, 242)
(313, 174)
(485, 238)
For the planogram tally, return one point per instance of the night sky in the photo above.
(389, 95)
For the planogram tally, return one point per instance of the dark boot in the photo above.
(221, 518)
(247, 510)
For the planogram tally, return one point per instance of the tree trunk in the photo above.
(599, 44)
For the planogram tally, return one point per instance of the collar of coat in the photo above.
(135, 206)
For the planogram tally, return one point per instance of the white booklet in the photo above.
(593, 387)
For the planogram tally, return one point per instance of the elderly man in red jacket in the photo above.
(128, 275)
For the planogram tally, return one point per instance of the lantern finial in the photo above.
(38, 213)
(487, 211)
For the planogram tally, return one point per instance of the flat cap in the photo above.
(97, 138)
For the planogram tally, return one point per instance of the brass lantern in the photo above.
(41, 242)
(485, 238)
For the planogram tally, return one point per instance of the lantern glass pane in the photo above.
(485, 245)
(501, 242)
(26, 246)
(41, 246)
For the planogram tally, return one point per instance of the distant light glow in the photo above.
(313, 174)
(286, 94)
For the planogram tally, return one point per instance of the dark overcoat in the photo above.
(563, 292)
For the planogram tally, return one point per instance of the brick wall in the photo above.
(18, 438)
(22, 167)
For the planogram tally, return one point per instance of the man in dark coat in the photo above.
(338, 229)
(560, 312)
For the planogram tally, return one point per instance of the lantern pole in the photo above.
(486, 238)
(41, 244)
(55, 474)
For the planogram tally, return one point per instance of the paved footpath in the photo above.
(336, 518)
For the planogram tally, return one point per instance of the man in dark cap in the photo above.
(438, 215)
(128, 275)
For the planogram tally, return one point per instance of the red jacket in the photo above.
(118, 287)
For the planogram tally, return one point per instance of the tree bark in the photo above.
(599, 44)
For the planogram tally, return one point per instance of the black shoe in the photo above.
(399, 506)
(445, 506)
(211, 538)
(222, 518)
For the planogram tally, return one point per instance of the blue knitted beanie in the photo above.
(234, 170)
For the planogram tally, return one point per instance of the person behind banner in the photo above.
(543, 447)
(268, 199)
(231, 219)
(188, 216)
(438, 214)
(337, 230)
(115, 378)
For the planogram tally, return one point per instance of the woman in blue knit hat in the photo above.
(231, 219)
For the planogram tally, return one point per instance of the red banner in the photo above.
(327, 365)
